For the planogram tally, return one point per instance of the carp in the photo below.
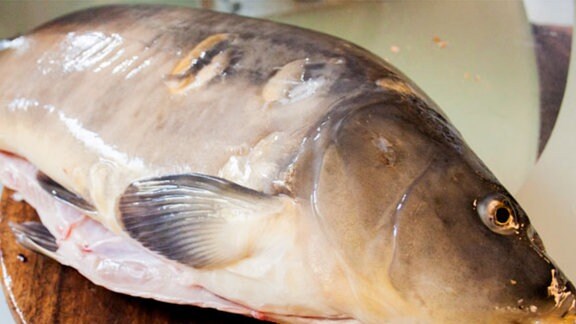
(208, 159)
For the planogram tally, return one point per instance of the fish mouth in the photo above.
(564, 294)
(561, 289)
(561, 309)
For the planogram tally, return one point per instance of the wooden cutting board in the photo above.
(40, 290)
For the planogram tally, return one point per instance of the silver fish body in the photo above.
(208, 159)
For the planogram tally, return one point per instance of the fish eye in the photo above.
(497, 214)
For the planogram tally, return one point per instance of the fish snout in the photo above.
(561, 290)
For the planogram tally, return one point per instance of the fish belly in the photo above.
(122, 265)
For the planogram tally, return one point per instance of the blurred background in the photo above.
(499, 70)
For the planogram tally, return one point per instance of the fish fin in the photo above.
(64, 195)
(36, 237)
(198, 220)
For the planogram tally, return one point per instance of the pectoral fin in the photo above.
(197, 220)
(34, 236)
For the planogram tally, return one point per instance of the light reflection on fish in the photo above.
(208, 159)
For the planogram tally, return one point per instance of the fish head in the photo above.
(412, 214)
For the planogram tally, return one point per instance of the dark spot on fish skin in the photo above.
(439, 203)
(313, 66)
(136, 113)
(255, 77)
(448, 223)
(313, 70)
(160, 120)
(152, 42)
(387, 159)
(455, 176)
(231, 69)
(294, 42)
(22, 258)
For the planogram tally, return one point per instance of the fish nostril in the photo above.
(535, 239)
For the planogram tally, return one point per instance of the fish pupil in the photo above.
(502, 215)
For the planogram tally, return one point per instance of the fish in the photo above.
(207, 159)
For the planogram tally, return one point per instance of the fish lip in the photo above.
(570, 303)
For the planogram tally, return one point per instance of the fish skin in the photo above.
(362, 157)
(55, 60)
